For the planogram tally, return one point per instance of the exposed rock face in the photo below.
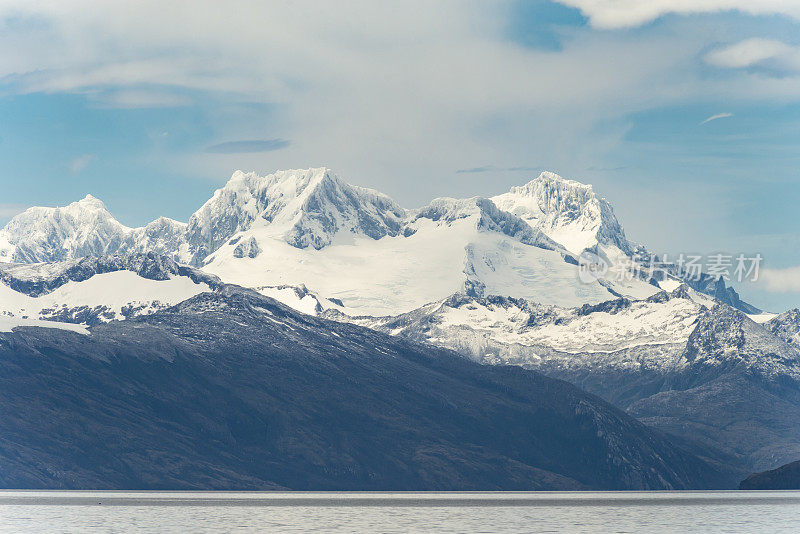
(716, 288)
(248, 248)
(787, 326)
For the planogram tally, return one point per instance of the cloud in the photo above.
(80, 163)
(9, 210)
(369, 87)
(766, 54)
(140, 99)
(717, 116)
(243, 147)
(614, 14)
(488, 168)
(493, 168)
(595, 168)
(781, 280)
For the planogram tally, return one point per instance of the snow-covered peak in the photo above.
(163, 236)
(786, 326)
(83, 228)
(726, 336)
(88, 202)
(79, 229)
(567, 211)
(549, 179)
(303, 207)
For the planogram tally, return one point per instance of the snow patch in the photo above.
(8, 324)
(114, 291)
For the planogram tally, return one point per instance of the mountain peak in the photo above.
(166, 221)
(89, 199)
(88, 202)
(82, 228)
(552, 180)
(567, 211)
(250, 179)
(303, 207)
(549, 188)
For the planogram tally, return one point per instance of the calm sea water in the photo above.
(75, 511)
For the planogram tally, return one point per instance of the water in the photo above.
(76, 511)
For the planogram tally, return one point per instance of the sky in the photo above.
(684, 114)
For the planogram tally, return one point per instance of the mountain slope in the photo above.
(786, 326)
(785, 477)
(97, 289)
(679, 362)
(233, 390)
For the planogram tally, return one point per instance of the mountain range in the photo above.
(233, 390)
(298, 227)
(499, 280)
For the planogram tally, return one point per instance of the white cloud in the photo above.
(9, 210)
(376, 90)
(137, 99)
(76, 165)
(766, 53)
(781, 280)
(611, 14)
(717, 116)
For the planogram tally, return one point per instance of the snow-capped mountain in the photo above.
(498, 279)
(83, 228)
(568, 212)
(644, 356)
(361, 249)
(786, 326)
(448, 246)
(357, 247)
(662, 333)
(232, 390)
(92, 290)
(163, 236)
(303, 208)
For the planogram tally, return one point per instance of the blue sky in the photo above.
(152, 107)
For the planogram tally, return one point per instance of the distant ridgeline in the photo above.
(786, 477)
